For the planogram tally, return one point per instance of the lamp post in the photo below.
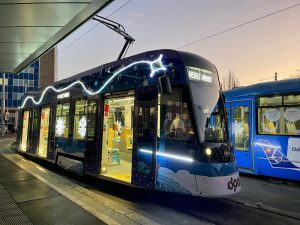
(3, 106)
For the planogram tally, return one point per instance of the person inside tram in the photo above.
(177, 125)
(167, 123)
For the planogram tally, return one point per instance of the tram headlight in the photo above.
(208, 151)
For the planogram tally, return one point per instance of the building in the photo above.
(40, 73)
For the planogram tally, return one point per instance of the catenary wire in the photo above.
(77, 39)
(240, 25)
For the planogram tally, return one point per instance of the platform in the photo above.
(26, 200)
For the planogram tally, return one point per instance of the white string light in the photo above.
(167, 155)
(155, 66)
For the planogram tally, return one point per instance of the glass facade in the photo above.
(18, 84)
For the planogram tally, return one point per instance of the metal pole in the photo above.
(3, 105)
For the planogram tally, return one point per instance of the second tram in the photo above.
(265, 128)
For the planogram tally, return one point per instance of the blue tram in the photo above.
(265, 128)
(154, 120)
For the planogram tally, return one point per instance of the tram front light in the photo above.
(208, 152)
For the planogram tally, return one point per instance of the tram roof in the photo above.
(29, 28)
(185, 56)
(273, 87)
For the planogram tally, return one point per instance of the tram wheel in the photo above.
(276, 180)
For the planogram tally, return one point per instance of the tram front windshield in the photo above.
(209, 109)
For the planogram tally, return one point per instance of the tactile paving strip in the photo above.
(10, 213)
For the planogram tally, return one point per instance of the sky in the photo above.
(254, 51)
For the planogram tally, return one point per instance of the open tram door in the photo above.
(25, 128)
(241, 135)
(44, 132)
(145, 136)
(117, 136)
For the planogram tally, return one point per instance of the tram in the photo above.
(264, 128)
(154, 120)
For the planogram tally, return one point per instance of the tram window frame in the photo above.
(66, 116)
(283, 126)
(90, 119)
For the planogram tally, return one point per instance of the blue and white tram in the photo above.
(265, 128)
(154, 120)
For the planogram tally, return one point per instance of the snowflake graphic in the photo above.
(82, 127)
(60, 126)
(145, 82)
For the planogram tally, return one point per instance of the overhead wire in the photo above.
(239, 25)
(73, 42)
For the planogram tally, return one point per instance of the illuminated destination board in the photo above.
(199, 74)
(63, 95)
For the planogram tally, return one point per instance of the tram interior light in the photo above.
(208, 152)
(103, 169)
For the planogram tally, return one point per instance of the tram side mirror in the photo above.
(164, 85)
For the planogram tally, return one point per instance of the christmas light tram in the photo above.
(154, 120)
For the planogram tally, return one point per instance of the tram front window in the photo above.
(209, 109)
(175, 119)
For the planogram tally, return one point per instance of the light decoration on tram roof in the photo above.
(155, 66)
(60, 126)
(82, 127)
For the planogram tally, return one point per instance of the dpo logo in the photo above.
(233, 184)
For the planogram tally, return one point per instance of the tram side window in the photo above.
(62, 120)
(80, 120)
(281, 120)
(175, 120)
(84, 119)
(91, 117)
(241, 128)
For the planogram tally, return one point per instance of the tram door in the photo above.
(241, 118)
(145, 133)
(32, 131)
(44, 132)
(117, 137)
(25, 127)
